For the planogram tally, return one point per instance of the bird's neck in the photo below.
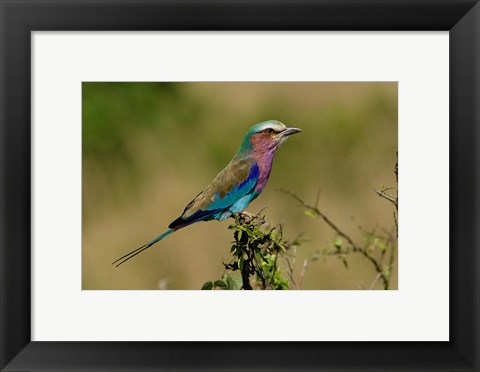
(260, 151)
(262, 154)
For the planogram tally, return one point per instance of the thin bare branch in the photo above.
(374, 281)
(302, 273)
(388, 197)
(342, 234)
(261, 272)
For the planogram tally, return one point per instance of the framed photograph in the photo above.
(354, 124)
(151, 202)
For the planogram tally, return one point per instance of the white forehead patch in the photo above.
(273, 124)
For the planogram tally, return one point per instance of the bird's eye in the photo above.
(269, 130)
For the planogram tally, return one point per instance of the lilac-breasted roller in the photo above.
(240, 182)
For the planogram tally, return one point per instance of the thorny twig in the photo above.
(261, 272)
(353, 245)
(256, 251)
(386, 196)
(302, 273)
(374, 282)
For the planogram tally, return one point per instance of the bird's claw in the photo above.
(244, 217)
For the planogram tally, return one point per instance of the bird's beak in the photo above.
(290, 131)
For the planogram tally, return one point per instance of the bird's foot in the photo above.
(245, 217)
(247, 214)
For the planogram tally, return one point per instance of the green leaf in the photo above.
(368, 237)
(344, 261)
(337, 243)
(220, 284)
(382, 245)
(230, 283)
(310, 213)
(234, 282)
(207, 286)
(386, 272)
(250, 233)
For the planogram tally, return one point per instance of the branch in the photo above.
(302, 273)
(355, 247)
(390, 198)
(261, 272)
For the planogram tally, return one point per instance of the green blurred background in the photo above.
(149, 148)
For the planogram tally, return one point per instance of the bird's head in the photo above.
(268, 135)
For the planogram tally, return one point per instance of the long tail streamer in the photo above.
(133, 253)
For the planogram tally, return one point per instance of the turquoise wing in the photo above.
(230, 187)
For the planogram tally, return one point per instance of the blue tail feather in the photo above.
(158, 238)
(133, 253)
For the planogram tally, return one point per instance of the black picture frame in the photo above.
(18, 18)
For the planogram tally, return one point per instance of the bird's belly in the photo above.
(223, 215)
(236, 207)
(241, 204)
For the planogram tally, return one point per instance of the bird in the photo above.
(236, 186)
